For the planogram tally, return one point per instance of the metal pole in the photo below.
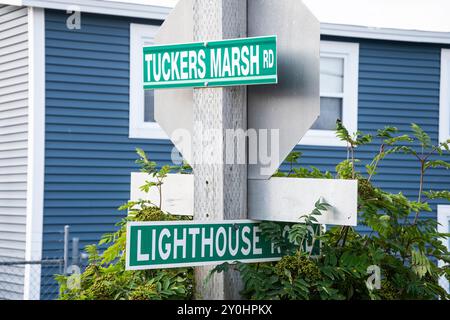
(66, 248)
(220, 189)
(75, 251)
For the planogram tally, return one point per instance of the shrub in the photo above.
(402, 245)
(105, 277)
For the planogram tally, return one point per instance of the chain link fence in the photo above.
(21, 279)
(13, 274)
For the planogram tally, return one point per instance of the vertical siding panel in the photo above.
(13, 146)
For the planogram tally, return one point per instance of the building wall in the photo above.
(89, 156)
(398, 85)
(13, 146)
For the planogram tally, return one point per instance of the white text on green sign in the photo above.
(153, 245)
(243, 61)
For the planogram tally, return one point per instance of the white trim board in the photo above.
(443, 218)
(36, 149)
(117, 8)
(444, 97)
(365, 32)
(11, 2)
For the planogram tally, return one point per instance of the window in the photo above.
(444, 104)
(142, 119)
(338, 93)
(443, 216)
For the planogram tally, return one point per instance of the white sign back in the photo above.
(291, 106)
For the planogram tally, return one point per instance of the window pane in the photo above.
(331, 75)
(330, 111)
(149, 106)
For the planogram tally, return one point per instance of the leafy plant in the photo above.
(404, 246)
(403, 243)
(105, 277)
(151, 168)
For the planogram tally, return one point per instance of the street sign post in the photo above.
(219, 189)
(232, 62)
(154, 245)
(218, 100)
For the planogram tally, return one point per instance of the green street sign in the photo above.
(155, 245)
(235, 62)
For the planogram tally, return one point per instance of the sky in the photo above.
(427, 15)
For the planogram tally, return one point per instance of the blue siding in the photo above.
(89, 156)
(398, 84)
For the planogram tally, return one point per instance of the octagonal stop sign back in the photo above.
(291, 106)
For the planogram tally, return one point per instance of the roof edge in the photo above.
(354, 31)
(102, 7)
(161, 13)
(12, 2)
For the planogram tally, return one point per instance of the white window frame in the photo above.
(349, 52)
(443, 216)
(138, 128)
(444, 100)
